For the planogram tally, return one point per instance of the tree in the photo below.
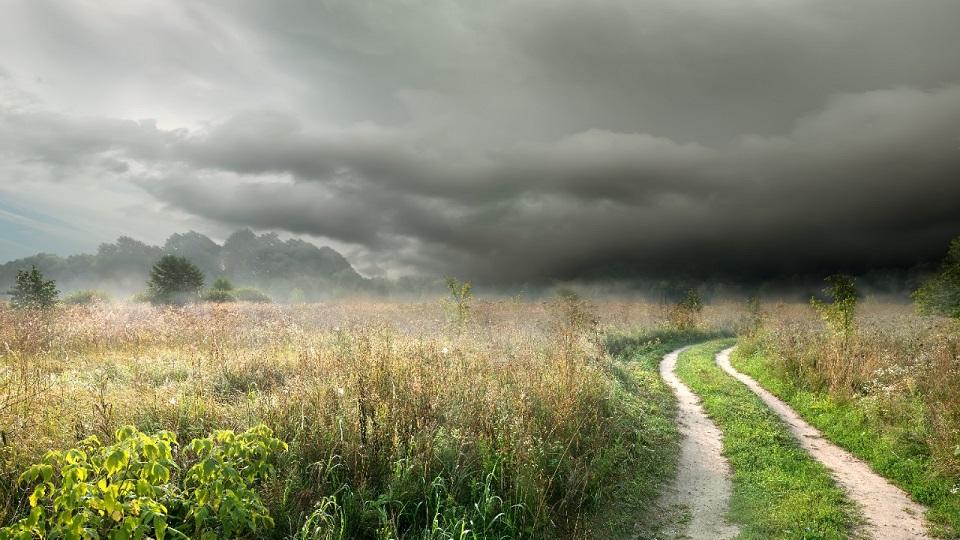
(940, 295)
(32, 291)
(174, 280)
(838, 313)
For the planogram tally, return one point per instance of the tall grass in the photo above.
(514, 424)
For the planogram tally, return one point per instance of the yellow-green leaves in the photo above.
(123, 491)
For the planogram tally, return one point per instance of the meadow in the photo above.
(504, 419)
(400, 420)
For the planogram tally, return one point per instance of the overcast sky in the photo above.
(499, 141)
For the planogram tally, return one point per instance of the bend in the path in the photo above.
(703, 484)
(890, 513)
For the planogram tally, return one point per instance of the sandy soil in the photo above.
(889, 512)
(701, 490)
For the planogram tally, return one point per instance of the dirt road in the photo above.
(890, 513)
(701, 490)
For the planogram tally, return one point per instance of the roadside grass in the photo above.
(652, 406)
(779, 491)
(850, 424)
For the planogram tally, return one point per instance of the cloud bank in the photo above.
(516, 142)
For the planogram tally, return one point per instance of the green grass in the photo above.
(651, 402)
(851, 425)
(779, 491)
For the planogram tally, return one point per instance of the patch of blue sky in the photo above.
(26, 231)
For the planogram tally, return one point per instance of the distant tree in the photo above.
(940, 295)
(200, 250)
(174, 280)
(32, 291)
(839, 311)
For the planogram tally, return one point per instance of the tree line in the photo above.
(173, 280)
(176, 280)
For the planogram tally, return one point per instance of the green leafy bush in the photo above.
(134, 489)
(839, 312)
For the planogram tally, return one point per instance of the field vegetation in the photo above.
(464, 419)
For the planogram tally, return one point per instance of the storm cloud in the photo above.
(503, 142)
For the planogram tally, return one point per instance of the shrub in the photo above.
(222, 284)
(461, 294)
(686, 314)
(940, 295)
(174, 280)
(32, 291)
(838, 313)
(131, 489)
(249, 294)
(219, 296)
(86, 297)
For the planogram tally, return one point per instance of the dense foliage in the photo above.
(32, 291)
(174, 280)
(135, 489)
(940, 295)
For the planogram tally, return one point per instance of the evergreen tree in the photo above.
(174, 280)
(32, 291)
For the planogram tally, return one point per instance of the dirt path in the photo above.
(890, 513)
(701, 490)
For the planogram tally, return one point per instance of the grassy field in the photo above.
(888, 393)
(524, 421)
(399, 420)
(779, 491)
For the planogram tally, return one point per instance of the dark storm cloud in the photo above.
(521, 140)
(868, 180)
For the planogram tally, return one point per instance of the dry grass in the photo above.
(516, 410)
